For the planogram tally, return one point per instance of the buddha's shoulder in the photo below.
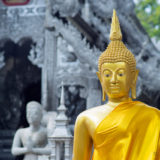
(21, 132)
(147, 109)
(91, 112)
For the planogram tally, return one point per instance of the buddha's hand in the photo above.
(29, 145)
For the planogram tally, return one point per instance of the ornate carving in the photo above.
(76, 67)
(20, 21)
(23, 11)
(66, 8)
(80, 45)
(101, 27)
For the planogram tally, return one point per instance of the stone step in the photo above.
(6, 138)
(6, 143)
(6, 134)
(6, 155)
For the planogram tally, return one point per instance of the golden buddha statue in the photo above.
(122, 129)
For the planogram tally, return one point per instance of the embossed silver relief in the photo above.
(26, 11)
(68, 61)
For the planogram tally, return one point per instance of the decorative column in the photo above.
(49, 98)
(61, 134)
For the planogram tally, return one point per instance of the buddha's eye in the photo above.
(120, 74)
(107, 75)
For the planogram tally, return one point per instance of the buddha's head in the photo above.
(117, 66)
(34, 113)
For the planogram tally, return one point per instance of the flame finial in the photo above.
(115, 33)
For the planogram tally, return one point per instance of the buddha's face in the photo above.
(34, 115)
(116, 79)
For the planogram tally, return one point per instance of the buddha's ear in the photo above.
(135, 77)
(99, 76)
(133, 87)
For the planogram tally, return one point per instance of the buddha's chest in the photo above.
(36, 139)
(95, 119)
(116, 126)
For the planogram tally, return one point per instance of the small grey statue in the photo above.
(31, 141)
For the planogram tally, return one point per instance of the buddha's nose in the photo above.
(113, 79)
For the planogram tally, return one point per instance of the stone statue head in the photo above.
(117, 66)
(34, 113)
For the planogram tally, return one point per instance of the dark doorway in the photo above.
(20, 82)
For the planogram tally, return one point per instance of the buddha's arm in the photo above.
(16, 146)
(82, 140)
(44, 149)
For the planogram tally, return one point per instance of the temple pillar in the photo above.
(49, 99)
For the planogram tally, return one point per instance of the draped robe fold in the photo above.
(130, 132)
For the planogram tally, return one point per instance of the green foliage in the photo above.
(148, 12)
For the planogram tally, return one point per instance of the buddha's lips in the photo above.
(114, 87)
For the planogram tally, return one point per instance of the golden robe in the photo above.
(130, 132)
